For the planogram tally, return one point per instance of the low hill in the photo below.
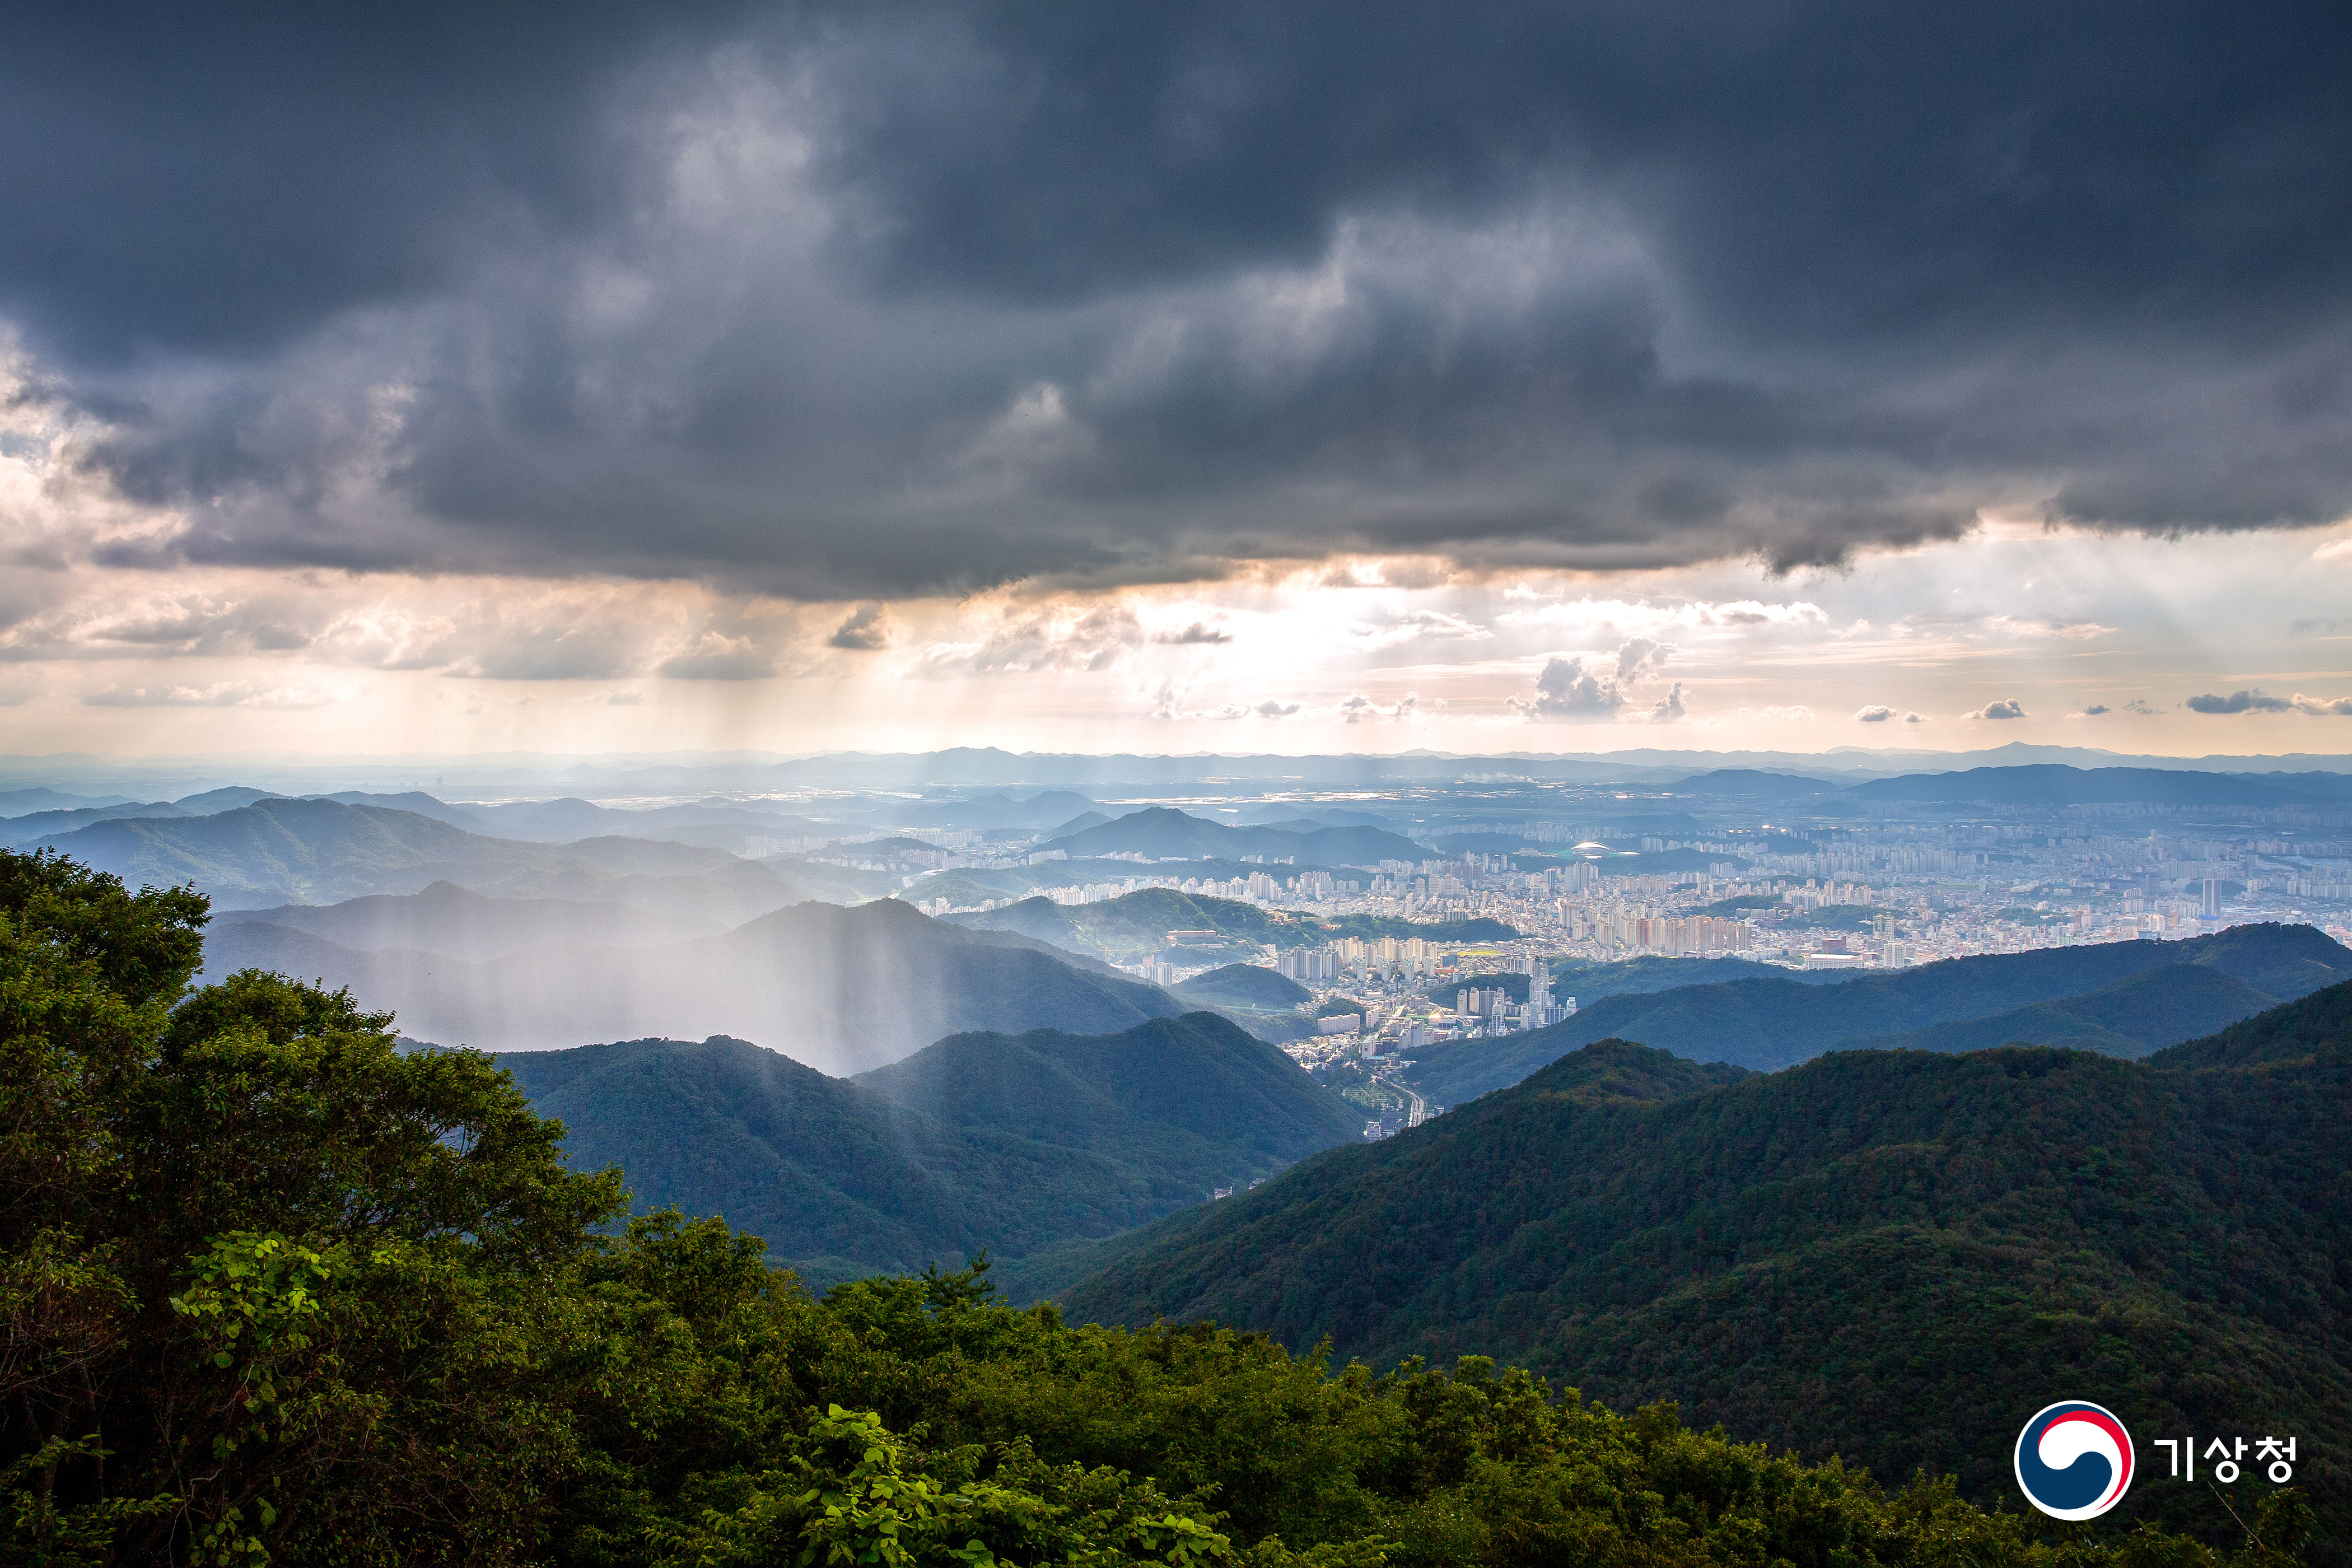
(1165, 832)
(1250, 985)
(1771, 1022)
(471, 819)
(23, 802)
(228, 798)
(1892, 1256)
(845, 989)
(1316, 929)
(2055, 783)
(1010, 1143)
(1127, 929)
(1740, 904)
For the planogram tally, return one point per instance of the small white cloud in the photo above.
(1200, 634)
(1914, 718)
(2327, 707)
(1356, 708)
(1273, 708)
(1567, 692)
(1874, 714)
(2008, 707)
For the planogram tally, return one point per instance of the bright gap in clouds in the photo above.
(2020, 634)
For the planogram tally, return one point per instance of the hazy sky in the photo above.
(1278, 378)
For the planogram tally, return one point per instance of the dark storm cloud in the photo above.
(866, 630)
(867, 301)
(221, 179)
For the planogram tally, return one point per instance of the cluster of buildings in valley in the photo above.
(1467, 993)
(1848, 897)
(1856, 890)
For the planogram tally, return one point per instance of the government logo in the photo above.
(2073, 1460)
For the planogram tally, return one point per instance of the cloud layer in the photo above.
(859, 303)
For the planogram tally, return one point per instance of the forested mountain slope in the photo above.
(1195, 1083)
(1768, 1022)
(1010, 1142)
(1896, 1257)
(2317, 1029)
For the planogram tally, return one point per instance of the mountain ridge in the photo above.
(1767, 1022)
(982, 1140)
(1168, 833)
(844, 988)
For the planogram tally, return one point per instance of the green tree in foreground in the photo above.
(272, 1291)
